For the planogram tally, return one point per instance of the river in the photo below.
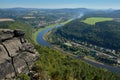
(41, 41)
(40, 36)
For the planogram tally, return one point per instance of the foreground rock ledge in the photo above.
(16, 54)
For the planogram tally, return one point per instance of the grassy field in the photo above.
(34, 35)
(94, 20)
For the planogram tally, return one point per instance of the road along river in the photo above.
(41, 41)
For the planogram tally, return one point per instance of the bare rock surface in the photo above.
(16, 54)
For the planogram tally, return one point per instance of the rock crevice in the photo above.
(16, 54)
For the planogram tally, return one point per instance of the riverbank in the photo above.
(70, 54)
(34, 35)
(57, 48)
(87, 60)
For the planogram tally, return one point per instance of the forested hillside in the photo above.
(105, 34)
(57, 66)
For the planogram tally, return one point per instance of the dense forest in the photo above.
(57, 66)
(105, 34)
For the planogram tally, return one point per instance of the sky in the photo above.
(92, 4)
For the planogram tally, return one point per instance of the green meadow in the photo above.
(94, 20)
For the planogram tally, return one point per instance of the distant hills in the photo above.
(76, 11)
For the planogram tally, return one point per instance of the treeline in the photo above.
(105, 34)
(103, 13)
(13, 12)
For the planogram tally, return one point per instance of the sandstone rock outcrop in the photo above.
(16, 54)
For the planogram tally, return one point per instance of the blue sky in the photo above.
(95, 4)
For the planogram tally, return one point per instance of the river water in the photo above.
(40, 36)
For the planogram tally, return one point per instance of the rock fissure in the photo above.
(27, 64)
(11, 59)
(16, 54)
(6, 49)
(12, 62)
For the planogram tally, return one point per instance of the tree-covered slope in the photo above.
(105, 34)
(57, 66)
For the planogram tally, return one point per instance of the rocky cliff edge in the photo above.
(16, 54)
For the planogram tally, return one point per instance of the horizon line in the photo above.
(61, 8)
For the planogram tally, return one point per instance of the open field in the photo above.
(6, 19)
(94, 20)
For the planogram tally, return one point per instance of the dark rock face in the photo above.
(16, 55)
(18, 33)
(6, 34)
